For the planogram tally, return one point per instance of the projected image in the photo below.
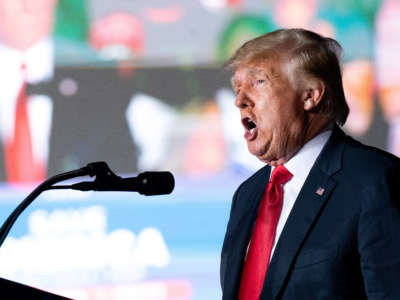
(88, 75)
(139, 84)
(121, 258)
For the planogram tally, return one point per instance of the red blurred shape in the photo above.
(21, 165)
(145, 290)
(205, 151)
(295, 13)
(235, 3)
(178, 289)
(164, 15)
(118, 29)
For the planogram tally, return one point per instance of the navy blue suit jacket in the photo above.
(343, 244)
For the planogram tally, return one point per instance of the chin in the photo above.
(255, 152)
(259, 150)
(263, 157)
(269, 159)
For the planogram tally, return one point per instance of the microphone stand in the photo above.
(98, 169)
(104, 176)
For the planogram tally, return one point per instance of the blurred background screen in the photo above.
(139, 84)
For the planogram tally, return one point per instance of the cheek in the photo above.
(291, 107)
(267, 110)
(274, 116)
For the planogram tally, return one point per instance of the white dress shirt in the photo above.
(39, 61)
(299, 165)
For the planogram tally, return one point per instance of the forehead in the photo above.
(269, 68)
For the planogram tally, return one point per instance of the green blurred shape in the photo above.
(367, 8)
(352, 32)
(239, 30)
(71, 21)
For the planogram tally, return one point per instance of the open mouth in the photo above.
(250, 128)
(248, 124)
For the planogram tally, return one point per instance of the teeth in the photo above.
(249, 124)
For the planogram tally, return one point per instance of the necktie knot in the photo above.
(280, 175)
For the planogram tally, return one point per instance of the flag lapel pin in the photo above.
(320, 191)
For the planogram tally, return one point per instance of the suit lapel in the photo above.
(243, 216)
(309, 203)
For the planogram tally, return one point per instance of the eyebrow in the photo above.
(252, 72)
(258, 71)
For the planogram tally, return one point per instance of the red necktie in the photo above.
(258, 255)
(20, 163)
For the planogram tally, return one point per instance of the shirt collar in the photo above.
(39, 60)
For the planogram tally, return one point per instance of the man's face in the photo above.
(24, 22)
(271, 109)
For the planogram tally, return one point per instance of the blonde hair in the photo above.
(310, 54)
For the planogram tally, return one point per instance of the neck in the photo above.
(316, 123)
(315, 126)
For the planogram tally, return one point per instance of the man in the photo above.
(26, 56)
(54, 127)
(322, 219)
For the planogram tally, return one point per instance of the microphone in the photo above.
(147, 183)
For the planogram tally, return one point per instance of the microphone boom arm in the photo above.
(148, 183)
(46, 185)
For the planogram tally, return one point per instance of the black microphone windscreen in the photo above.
(156, 183)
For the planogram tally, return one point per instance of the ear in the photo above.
(313, 93)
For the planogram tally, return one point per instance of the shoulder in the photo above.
(368, 161)
(358, 170)
(370, 173)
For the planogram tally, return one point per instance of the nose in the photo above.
(242, 100)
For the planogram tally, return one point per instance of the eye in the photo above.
(236, 89)
(260, 81)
